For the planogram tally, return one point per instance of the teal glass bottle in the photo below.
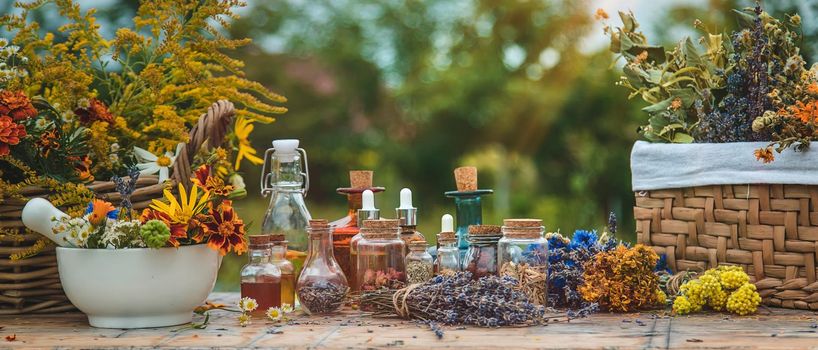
(469, 211)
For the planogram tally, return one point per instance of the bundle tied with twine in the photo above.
(491, 301)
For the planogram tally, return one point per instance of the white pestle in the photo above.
(40, 216)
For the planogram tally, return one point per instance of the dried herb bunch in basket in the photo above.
(458, 300)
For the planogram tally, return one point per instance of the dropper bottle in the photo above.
(367, 212)
(408, 220)
(448, 254)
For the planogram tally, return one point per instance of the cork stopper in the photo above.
(446, 237)
(319, 223)
(277, 238)
(259, 240)
(523, 228)
(485, 230)
(466, 178)
(382, 223)
(360, 178)
(417, 244)
(522, 223)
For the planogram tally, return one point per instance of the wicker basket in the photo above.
(33, 285)
(769, 230)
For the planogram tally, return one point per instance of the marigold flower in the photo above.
(16, 105)
(10, 134)
(48, 141)
(765, 154)
(95, 111)
(226, 230)
(203, 179)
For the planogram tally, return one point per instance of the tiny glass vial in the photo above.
(321, 286)
(260, 279)
(481, 257)
(448, 254)
(380, 256)
(523, 251)
(278, 257)
(408, 220)
(419, 263)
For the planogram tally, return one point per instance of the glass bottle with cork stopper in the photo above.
(408, 220)
(380, 256)
(447, 261)
(367, 212)
(321, 286)
(468, 203)
(523, 254)
(348, 227)
(481, 257)
(283, 177)
(260, 279)
(278, 257)
(419, 264)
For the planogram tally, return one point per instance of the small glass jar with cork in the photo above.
(321, 286)
(447, 261)
(380, 256)
(408, 220)
(367, 212)
(481, 257)
(260, 279)
(523, 254)
(419, 263)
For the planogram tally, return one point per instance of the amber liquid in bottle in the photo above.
(278, 258)
(267, 294)
(288, 288)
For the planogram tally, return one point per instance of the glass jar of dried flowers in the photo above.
(481, 257)
(419, 263)
(523, 254)
(321, 286)
(380, 256)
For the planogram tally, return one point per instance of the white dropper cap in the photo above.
(368, 210)
(368, 200)
(286, 150)
(447, 223)
(406, 213)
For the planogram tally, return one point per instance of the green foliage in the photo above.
(671, 81)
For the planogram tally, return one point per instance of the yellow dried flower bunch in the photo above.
(148, 84)
(722, 288)
(622, 280)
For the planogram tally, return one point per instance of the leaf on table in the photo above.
(12, 337)
(694, 340)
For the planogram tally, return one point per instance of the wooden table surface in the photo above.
(770, 329)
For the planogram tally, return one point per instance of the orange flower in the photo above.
(177, 230)
(16, 105)
(226, 230)
(676, 103)
(807, 112)
(96, 110)
(812, 89)
(48, 141)
(83, 167)
(601, 14)
(10, 134)
(213, 184)
(765, 154)
(100, 211)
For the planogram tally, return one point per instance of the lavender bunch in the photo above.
(126, 189)
(567, 264)
(456, 299)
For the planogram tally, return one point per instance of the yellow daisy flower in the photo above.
(182, 210)
(244, 320)
(242, 131)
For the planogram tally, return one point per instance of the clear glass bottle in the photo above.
(367, 212)
(481, 257)
(408, 220)
(260, 279)
(348, 227)
(447, 261)
(419, 264)
(321, 286)
(524, 250)
(278, 257)
(380, 256)
(282, 176)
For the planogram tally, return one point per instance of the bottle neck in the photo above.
(320, 244)
(287, 176)
(278, 252)
(259, 255)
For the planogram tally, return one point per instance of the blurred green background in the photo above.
(521, 89)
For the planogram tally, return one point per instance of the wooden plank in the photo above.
(770, 329)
